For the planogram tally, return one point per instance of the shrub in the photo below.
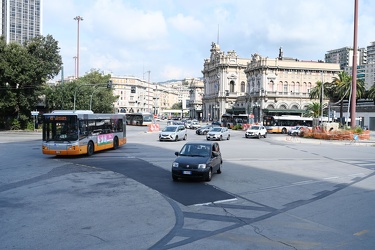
(237, 126)
(16, 125)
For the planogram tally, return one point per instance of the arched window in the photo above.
(308, 87)
(271, 85)
(293, 87)
(285, 86)
(242, 86)
(231, 86)
(298, 87)
(294, 107)
(280, 86)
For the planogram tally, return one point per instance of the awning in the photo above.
(236, 111)
(284, 111)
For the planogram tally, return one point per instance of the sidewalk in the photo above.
(370, 142)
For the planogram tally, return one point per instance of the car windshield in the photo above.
(255, 127)
(170, 129)
(216, 129)
(195, 150)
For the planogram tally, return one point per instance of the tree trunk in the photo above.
(341, 112)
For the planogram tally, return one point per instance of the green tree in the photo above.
(340, 89)
(24, 70)
(313, 109)
(371, 93)
(91, 88)
(319, 91)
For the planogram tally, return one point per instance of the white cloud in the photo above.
(172, 38)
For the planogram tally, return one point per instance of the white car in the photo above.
(173, 133)
(257, 131)
(298, 130)
(218, 133)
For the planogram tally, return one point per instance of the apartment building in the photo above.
(365, 62)
(21, 20)
(138, 95)
(344, 57)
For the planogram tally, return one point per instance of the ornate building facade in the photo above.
(260, 85)
(224, 82)
(196, 90)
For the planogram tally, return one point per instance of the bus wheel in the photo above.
(90, 148)
(283, 131)
(115, 143)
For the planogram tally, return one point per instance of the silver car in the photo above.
(173, 133)
(218, 133)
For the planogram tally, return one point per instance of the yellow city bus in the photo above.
(67, 132)
(139, 119)
(281, 124)
(229, 120)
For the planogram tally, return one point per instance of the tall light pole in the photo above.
(354, 71)
(75, 67)
(78, 19)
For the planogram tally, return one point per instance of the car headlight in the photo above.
(175, 165)
(201, 166)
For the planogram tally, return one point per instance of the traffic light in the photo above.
(109, 84)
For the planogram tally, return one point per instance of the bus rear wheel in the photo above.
(90, 148)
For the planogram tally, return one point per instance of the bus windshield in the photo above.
(60, 128)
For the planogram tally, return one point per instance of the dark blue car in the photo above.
(197, 160)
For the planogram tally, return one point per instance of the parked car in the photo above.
(204, 130)
(197, 160)
(173, 133)
(174, 122)
(216, 123)
(195, 125)
(297, 130)
(218, 133)
(256, 131)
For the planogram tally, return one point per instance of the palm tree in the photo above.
(319, 91)
(341, 87)
(314, 109)
(371, 93)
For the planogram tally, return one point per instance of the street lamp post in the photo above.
(78, 19)
(257, 112)
(92, 96)
(75, 67)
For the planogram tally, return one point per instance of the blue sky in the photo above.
(171, 38)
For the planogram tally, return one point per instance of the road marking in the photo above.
(215, 202)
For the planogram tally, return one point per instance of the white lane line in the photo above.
(215, 202)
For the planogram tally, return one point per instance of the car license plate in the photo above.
(186, 172)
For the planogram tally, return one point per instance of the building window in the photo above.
(242, 86)
(285, 87)
(231, 86)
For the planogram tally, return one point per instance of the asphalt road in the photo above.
(273, 193)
